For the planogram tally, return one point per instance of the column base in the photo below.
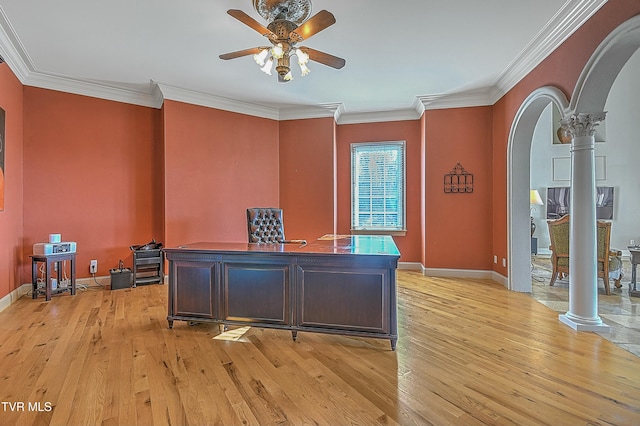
(579, 324)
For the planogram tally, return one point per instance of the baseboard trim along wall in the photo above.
(411, 266)
(465, 273)
(454, 273)
(458, 273)
(16, 294)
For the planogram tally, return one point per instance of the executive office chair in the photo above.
(265, 225)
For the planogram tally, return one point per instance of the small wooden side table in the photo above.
(635, 259)
(48, 260)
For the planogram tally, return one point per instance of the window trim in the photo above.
(394, 231)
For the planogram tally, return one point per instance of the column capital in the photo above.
(582, 124)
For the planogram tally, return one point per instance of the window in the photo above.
(377, 186)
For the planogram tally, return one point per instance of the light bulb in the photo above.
(260, 57)
(304, 70)
(267, 67)
(277, 51)
(288, 76)
(303, 58)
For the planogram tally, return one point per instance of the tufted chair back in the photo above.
(265, 225)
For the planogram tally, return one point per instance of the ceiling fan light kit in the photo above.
(289, 24)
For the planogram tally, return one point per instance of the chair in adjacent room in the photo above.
(609, 259)
(265, 225)
(609, 262)
(559, 237)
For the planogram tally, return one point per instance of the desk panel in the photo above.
(345, 300)
(256, 293)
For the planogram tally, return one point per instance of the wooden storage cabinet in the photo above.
(345, 289)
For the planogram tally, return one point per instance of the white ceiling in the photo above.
(400, 56)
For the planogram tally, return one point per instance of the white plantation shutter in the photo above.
(378, 186)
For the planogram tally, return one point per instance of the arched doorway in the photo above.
(589, 96)
(518, 172)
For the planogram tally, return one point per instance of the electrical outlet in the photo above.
(495, 259)
(93, 266)
(504, 262)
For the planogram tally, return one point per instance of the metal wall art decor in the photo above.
(458, 181)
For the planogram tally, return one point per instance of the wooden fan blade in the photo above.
(324, 58)
(315, 24)
(250, 22)
(245, 52)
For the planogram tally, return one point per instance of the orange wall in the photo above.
(561, 69)
(92, 173)
(11, 218)
(108, 174)
(458, 226)
(306, 177)
(410, 245)
(217, 164)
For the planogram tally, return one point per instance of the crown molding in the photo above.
(311, 111)
(88, 88)
(12, 50)
(211, 101)
(564, 23)
(378, 116)
(470, 98)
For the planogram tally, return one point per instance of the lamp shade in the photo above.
(534, 197)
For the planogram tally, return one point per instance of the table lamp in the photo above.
(534, 199)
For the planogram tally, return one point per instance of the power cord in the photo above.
(88, 286)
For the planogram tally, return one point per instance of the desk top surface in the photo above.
(340, 244)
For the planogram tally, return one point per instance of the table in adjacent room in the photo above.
(635, 259)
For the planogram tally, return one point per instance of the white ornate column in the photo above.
(583, 277)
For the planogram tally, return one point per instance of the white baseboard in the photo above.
(105, 282)
(411, 266)
(454, 273)
(500, 279)
(459, 273)
(16, 294)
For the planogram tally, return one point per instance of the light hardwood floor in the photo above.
(618, 310)
(469, 352)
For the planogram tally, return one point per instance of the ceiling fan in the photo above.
(289, 24)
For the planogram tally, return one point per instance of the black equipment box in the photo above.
(120, 277)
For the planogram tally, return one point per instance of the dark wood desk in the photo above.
(345, 286)
(635, 259)
(48, 260)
